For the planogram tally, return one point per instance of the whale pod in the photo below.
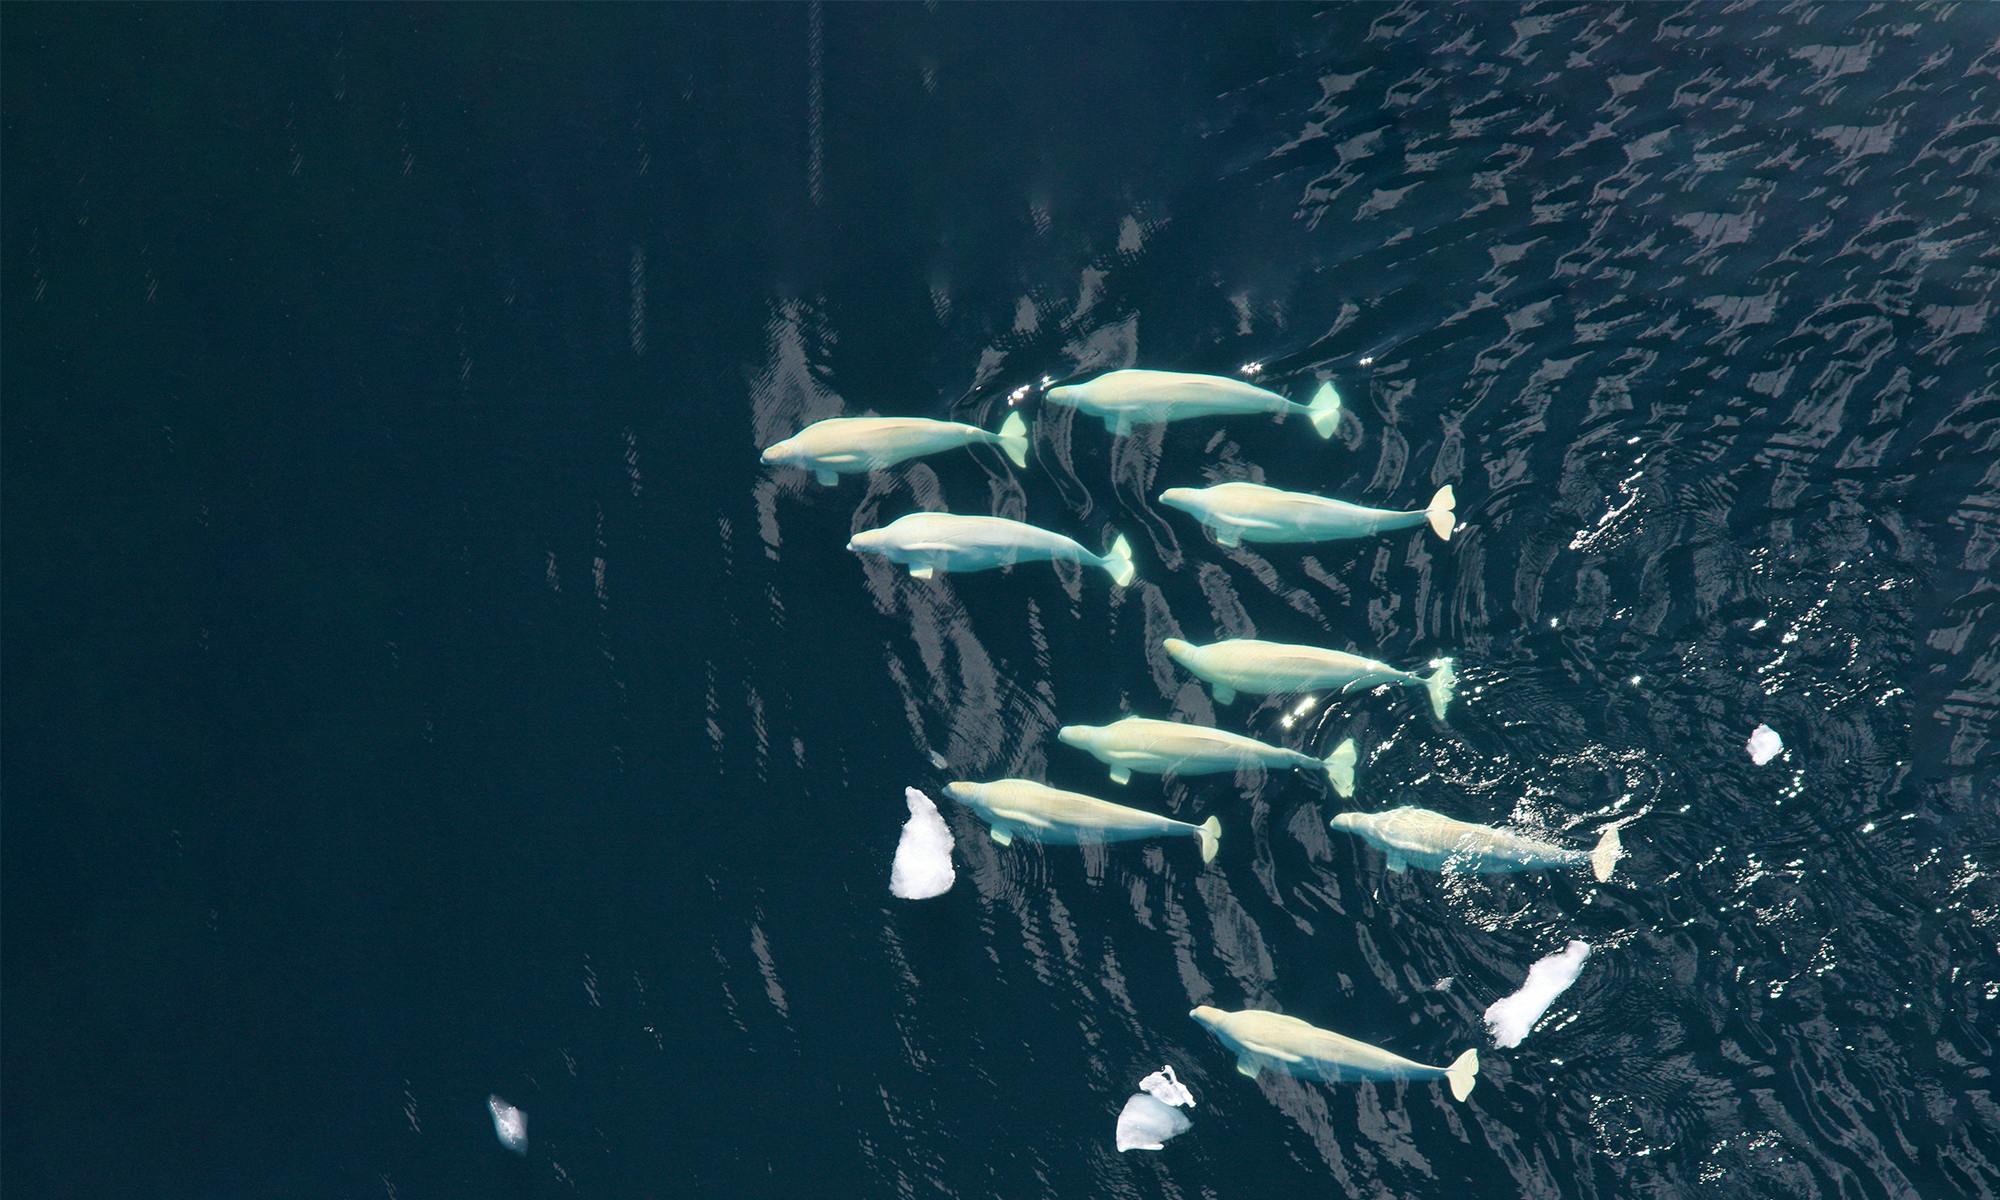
(930, 543)
(857, 445)
(1271, 1041)
(1015, 808)
(1419, 837)
(1251, 512)
(1262, 668)
(1123, 399)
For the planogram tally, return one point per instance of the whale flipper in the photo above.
(827, 478)
(1001, 834)
(1247, 1066)
(1118, 424)
(922, 570)
(1397, 863)
(1121, 774)
(1228, 535)
(1224, 694)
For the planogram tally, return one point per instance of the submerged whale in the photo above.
(1420, 837)
(1157, 747)
(931, 542)
(1251, 512)
(1015, 808)
(857, 445)
(1267, 1039)
(1260, 668)
(1122, 399)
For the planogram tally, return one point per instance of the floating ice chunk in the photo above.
(923, 854)
(1511, 1017)
(1147, 1124)
(1165, 1086)
(1152, 1115)
(510, 1124)
(1765, 744)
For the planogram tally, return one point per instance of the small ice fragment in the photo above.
(1153, 1114)
(510, 1124)
(1511, 1017)
(1165, 1086)
(1765, 744)
(923, 854)
(1147, 1124)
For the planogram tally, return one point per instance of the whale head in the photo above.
(1351, 822)
(1207, 1015)
(1070, 394)
(1182, 652)
(1185, 499)
(870, 541)
(779, 452)
(962, 791)
(1077, 735)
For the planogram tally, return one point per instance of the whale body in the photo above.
(930, 542)
(1122, 399)
(1270, 1040)
(1015, 808)
(857, 445)
(1251, 512)
(1420, 837)
(1262, 668)
(1157, 747)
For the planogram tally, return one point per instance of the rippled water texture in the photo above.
(416, 690)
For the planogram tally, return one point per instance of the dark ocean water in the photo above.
(415, 689)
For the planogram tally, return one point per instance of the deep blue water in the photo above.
(415, 689)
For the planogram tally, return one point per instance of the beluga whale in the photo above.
(1157, 747)
(1123, 399)
(857, 445)
(1251, 512)
(1267, 1040)
(1265, 668)
(1433, 841)
(1015, 808)
(932, 543)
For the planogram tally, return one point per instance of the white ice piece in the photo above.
(1511, 1017)
(923, 855)
(1152, 1115)
(1765, 744)
(1165, 1086)
(510, 1124)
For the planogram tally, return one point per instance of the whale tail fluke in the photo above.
(1210, 833)
(1462, 1073)
(1118, 561)
(1605, 856)
(1324, 411)
(1340, 767)
(1442, 685)
(1443, 512)
(1014, 438)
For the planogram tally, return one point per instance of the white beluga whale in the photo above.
(1122, 399)
(1267, 1040)
(930, 543)
(1251, 512)
(857, 445)
(1157, 747)
(1015, 808)
(1264, 668)
(1419, 837)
